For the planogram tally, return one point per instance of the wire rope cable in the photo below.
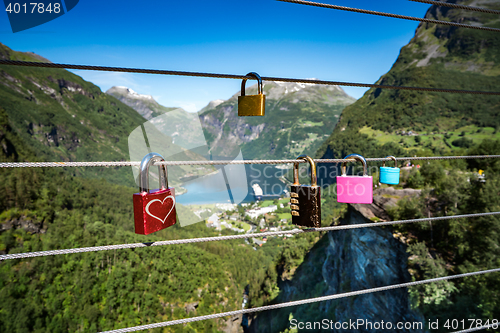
(233, 76)
(224, 162)
(232, 237)
(296, 231)
(473, 329)
(301, 302)
(456, 6)
(404, 17)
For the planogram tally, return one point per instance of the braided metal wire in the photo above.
(473, 329)
(65, 164)
(223, 162)
(231, 237)
(456, 6)
(232, 76)
(404, 17)
(301, 302)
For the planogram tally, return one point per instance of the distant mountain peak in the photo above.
(216, 102)
(275, 90)
(437, 56)
(298, 117)
(144, 104)
(212, 105)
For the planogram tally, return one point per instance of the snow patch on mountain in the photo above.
(128, 92)
(212, 105)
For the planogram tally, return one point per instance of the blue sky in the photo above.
(265, 36)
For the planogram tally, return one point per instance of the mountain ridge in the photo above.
(437, 56)
(298, 116)
(54, 115)
(309, 111)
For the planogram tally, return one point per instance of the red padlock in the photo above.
(153, 210)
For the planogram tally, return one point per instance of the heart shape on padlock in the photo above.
(162, 202)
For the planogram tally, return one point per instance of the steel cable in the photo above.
(404, 17)
(301, 302)
(456, 6)
(223, 162)
(231, 237)
(233, 76)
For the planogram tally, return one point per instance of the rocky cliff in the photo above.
(49, 114)
(340, 262)
(437, 56)
(298, 118)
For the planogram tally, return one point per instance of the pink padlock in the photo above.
(355, 189)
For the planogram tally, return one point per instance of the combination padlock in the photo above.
(252, 105)
(305, 200)
(355, 189)
(153, 210)
(389, 175)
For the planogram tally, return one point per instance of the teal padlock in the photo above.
(390, 175)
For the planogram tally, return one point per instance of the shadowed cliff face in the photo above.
(344, 261)
(363, 259)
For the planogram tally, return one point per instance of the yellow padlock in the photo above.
(252, 105)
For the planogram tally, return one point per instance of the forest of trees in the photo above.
(456, 246)
(110, 289)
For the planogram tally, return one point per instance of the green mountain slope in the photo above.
(437, 56)
(58, 116)
(90, 292)
(298, 118)
(54, 115)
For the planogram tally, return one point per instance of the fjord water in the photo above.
(213, 189)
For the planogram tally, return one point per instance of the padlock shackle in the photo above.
(259, 81)
(356, 157)
(395, 161)
(146, 162)
(314, 180)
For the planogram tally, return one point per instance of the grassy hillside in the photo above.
(61, 117)
(144, 104)
(57, 116)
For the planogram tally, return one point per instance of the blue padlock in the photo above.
(390, 175)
